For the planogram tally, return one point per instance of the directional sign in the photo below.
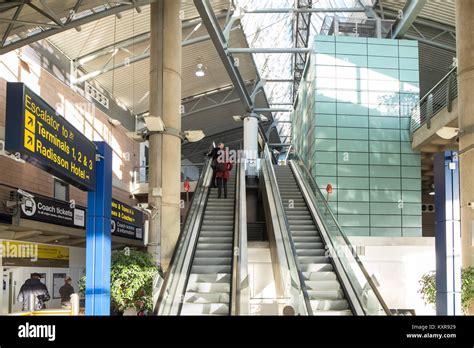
(127, 221)
(40, 136)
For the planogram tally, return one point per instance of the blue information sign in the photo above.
(39, 135)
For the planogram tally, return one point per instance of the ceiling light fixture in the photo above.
(200, 70)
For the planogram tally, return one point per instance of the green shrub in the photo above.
(428, 288)
(131, 280)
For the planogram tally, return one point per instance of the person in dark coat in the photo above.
(214, 154)
(38, 289)
(66, 291)
(222, 178)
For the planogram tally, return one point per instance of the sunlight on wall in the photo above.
(81, 113)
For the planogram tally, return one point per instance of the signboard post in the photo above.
(98, 236)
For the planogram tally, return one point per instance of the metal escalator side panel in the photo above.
(171, 292)
(240, 291)
(289, 270)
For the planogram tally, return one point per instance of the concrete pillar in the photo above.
(465, 52)
(251, 144)
(165, 148)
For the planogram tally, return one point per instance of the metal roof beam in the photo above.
(409, 13)
(306, 10)
(431, 43)
(290, 50)
(109, 49)
(72, 24)
(10, 26)
(220, 43)
(131, 60)
(48, 13)
(424, 22)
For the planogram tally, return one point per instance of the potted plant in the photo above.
(131, 281)
(428, 288)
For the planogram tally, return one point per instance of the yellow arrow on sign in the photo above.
(30, 121)
(29, 141)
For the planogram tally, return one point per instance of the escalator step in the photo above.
(311, 252)
(208, 287)
(206, 297)
(319, 276)
(323, 285)
(212, 261)
(313, 259)
(202, 309)
(210, 269)
(329, 305)
(209, 278)
(326, 294)
(317, 267)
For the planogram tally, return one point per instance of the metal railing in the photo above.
(439, 97)
(191, 172)
(356, 27)
(240, 294)
(358, 284)
(73, 310)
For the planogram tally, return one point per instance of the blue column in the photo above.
(98, 236)
(448, 234)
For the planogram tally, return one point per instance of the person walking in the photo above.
(65, 292)
(214, 154)
(35, 287)
(222, 176)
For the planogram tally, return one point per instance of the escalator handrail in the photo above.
(328, 209)
(291, 259)
(239, 282)
(186, 234)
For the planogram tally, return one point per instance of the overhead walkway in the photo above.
(209, 263)
(436, 110)
(318, 267)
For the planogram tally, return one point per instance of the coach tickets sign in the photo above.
(37, 134)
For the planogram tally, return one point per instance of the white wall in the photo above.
(398, 264)
(77, 264)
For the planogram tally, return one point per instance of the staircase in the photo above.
(208, 288)
(321, 282)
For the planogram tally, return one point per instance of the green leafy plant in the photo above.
(131, 280)
(428, 288)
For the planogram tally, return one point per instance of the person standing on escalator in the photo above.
(223, 168)
(214, 155)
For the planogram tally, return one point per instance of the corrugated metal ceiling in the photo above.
(442, 11)
(130, 84)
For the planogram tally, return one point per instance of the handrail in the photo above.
(296, 279)
(439, 97)
(182, 255)
(315, 189)
(239, 285)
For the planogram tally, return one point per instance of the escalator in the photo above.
(321, 282)
(320, 271)
(208, 288)
(208, 265)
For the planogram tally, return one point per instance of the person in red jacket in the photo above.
(222, 177)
